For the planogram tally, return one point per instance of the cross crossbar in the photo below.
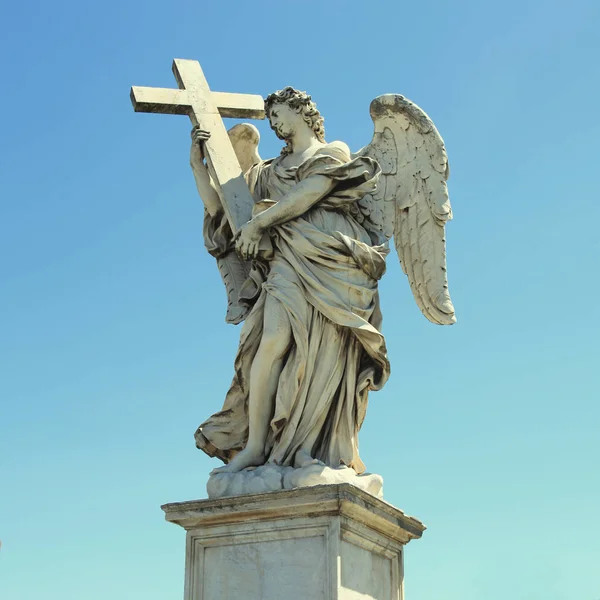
(207, 109)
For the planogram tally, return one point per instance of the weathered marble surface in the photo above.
(272, 478)
(332, 542)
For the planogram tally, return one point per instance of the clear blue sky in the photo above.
(113, 346)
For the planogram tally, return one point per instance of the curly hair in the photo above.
(302, 103)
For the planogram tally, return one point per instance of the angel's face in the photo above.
(285, 120)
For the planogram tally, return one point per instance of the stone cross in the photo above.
(205, 109)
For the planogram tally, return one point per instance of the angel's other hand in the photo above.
(248, 240)
(199, 137)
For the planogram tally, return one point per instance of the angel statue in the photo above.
(302, 275)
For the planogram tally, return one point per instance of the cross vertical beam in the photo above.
(206, 109)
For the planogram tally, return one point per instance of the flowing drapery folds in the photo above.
(323, 269)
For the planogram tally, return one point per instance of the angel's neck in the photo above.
(302, 140)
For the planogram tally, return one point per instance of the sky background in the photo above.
(113, 345)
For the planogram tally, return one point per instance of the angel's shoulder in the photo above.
(339, 145)
(337, 149)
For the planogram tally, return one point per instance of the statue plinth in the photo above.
(323, 542)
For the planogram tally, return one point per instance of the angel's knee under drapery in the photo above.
(324, 274)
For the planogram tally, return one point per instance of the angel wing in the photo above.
(411, 200)
(244, 138)
(234, 271)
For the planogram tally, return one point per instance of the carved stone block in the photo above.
(318, 543)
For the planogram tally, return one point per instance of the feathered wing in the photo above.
(233, 269)
(411, 200)
(244, 138)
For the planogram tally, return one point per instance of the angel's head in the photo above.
(288, 110)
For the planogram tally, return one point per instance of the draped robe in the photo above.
(323, 270)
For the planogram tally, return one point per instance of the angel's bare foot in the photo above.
(246, 458)
(304, 459)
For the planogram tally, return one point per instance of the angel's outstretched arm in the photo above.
(217, 233)
(204, 183)
(296, 202)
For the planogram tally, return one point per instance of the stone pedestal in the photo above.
(317, 543)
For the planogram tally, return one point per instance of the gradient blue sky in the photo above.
(113, 345)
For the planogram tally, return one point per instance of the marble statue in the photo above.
(301, 271)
